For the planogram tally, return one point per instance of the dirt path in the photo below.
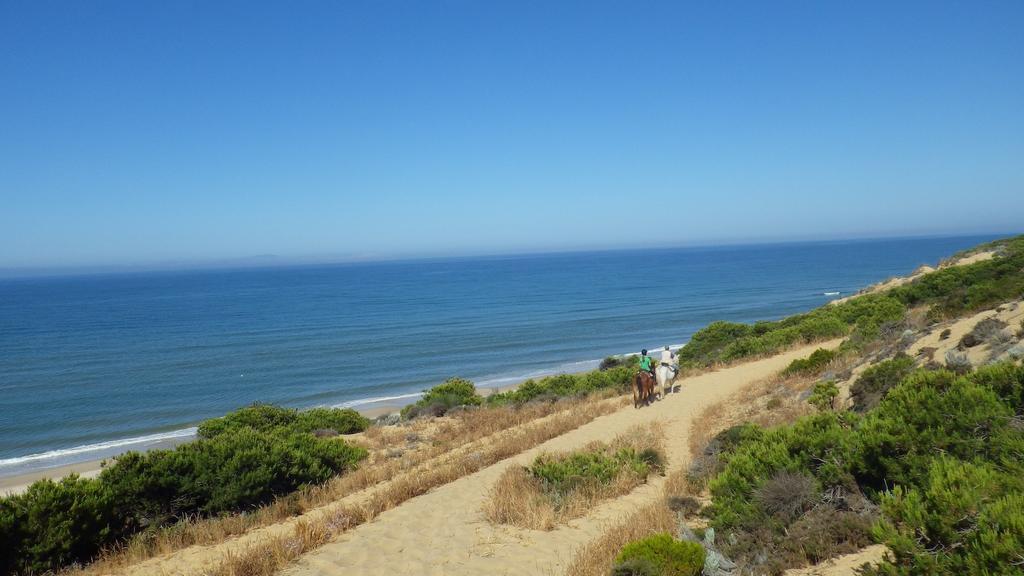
(844, 565)
(444, 532)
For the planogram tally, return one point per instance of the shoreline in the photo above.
(18, 483)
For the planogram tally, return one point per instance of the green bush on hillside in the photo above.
(668, 556)
(813, 364)
(957, 290)
(823, 395)
(562, 474)
(234, 471)
(54, 524)
(873, 383)
(728, 341)
(441, 398)
(949, 291)
(566, 385)
(267, 417)
(929, 413)
(238, 467)
(940, 453)
(963, 518)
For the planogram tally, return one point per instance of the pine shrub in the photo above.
(668, 556)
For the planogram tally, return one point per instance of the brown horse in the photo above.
(643, 388)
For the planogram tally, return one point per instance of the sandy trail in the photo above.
(444, 532)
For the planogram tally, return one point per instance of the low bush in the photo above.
(636, 567)
(55, 524)
(787, 495)
(563, 385)
(268, 418)
(669, 557)
(872, 385)
(441, 398)
(823, 395)
(617, 362)
(233, 471)
(964, 518)
(243, 461)
(984, 331)
(563, 474)
(812, 365)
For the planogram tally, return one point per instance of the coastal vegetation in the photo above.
(241, 461)
(659, 555)
(616, 377)
(441, 398)
(933, 471)
(948, 292)
(556, 488)
(269, 418)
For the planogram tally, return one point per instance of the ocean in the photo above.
(91, 366)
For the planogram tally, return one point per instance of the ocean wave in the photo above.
(375, 400)
(69, 453)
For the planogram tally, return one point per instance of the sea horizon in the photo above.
(274, 261)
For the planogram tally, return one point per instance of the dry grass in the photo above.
(269, 555)
(520, 499)
(598, 557)
(395, 450)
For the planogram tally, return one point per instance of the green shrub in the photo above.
(1006, 380)
(927, 414)
(636, 567)
(668, 556)
(233, 471)
(813, 364)
(964, 518)
(441, 398)
(874, 382)
(54, 524)
(268, 418)
(561, 474)
(819, 445)
(568, 385)
(823, 396)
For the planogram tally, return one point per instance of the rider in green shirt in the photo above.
(646, 364)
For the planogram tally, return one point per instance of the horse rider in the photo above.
(668, 359)
(646, 364)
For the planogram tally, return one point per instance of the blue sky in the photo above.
(138, 132)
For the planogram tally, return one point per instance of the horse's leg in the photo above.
(637, 392)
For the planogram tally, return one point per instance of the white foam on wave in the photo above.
(831, 293)
(364, 401)
(68, 453)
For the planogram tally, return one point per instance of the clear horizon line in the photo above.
(277, 261)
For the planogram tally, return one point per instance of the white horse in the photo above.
(666, 378)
